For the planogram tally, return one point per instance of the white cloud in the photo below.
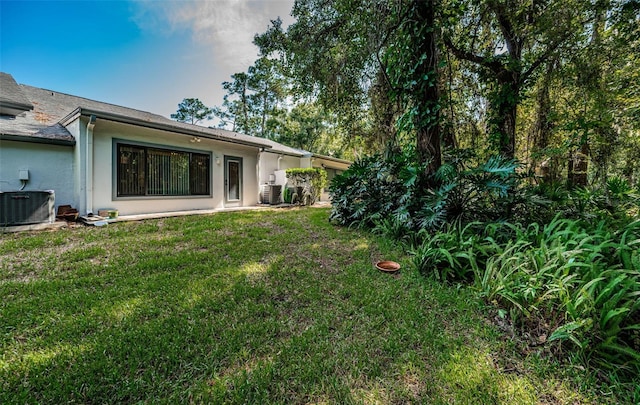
(188, 48)
(223, 27)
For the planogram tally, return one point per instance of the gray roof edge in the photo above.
(66, 120)
(16, 105)
(85, 99)
(12, 95)
(333, 159)
(204, 132)
(36, 139)
(279, 152)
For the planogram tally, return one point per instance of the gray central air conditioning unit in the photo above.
(26, 207)
(271, 194)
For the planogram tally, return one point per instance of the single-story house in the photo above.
(96, 155)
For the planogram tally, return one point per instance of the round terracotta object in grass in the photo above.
(388, 266)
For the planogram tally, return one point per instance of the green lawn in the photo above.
(252, 307)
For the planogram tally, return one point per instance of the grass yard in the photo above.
(251, 307)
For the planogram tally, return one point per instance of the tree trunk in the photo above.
(581, 166)
(541, 131)
(505, 109)
(385, 113)
(593, 83)
(578, 167)
(448, 130)
(428, 128)
(263, 121)
(245, 110)
(570, 171)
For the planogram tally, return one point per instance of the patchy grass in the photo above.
(252, 307)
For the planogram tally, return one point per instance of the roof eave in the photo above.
(154, 125)
(14, 109)
(34, 139)
(333, 159)
(279, 152)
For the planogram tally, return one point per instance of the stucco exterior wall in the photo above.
(51, 167)
(104, 193)
(269, 164)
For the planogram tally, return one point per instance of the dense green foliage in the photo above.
(192, 111)
(386, 188)
(567, 281)
(311, 181)
(562, 264)
(551, 83)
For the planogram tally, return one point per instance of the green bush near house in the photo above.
(313, 177)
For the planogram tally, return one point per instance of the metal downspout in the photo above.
(89, 165)
(258, 164)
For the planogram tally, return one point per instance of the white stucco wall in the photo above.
(269, 166)
(104, 193)
(273, 163)
(51, 167)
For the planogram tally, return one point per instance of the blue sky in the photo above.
(144, 54)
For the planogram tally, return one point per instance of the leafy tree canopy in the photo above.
(192, 111)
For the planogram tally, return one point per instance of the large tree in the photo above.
(412, 62)
(235, 107)
(268, 88)
(338, 49)
(192, 111)
(509, 40)
(254, 99)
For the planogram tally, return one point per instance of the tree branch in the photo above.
(514, 44)
(545, 55)
(493, 65)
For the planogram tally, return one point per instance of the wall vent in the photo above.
(26, 207)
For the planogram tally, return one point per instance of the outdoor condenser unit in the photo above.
(26, 207)
(271, 194)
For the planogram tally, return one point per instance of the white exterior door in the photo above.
(232, 181)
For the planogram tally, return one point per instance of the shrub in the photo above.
(380, 187)
(485, 192)
(374, 188)
(617, 202)
(314, 178)
(287, 195)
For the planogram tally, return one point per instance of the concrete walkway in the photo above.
(157, 215)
